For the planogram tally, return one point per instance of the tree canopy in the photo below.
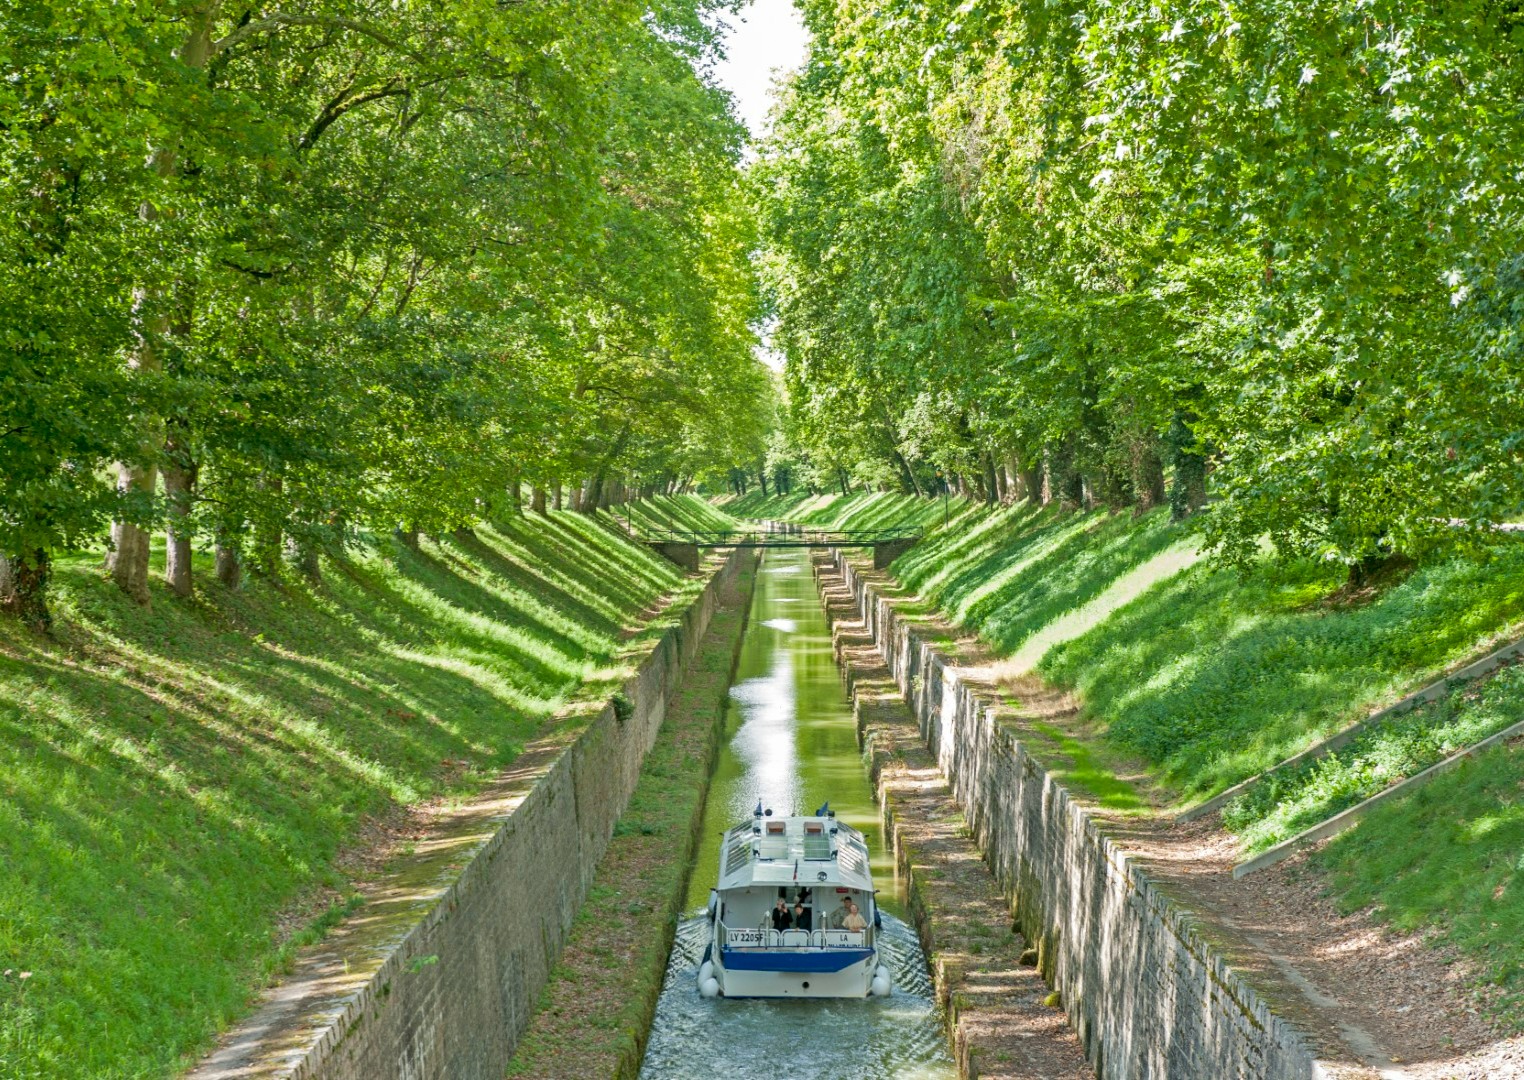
(278, 273)
(1078, 250)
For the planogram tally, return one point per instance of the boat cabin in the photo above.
(817, 863)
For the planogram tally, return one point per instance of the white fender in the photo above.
(710, 987)
(706, 972)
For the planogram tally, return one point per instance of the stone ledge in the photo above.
(1149, 998)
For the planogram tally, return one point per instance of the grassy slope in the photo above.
(1295, 799)
(170, 782)
(683, 512)
(1212, 676)
(1209, 674)
(865, 510)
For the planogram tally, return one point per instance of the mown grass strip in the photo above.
(863, 510)
(594, 1015)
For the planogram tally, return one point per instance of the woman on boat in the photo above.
(854, 920)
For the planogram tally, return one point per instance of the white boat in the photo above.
(819, 868)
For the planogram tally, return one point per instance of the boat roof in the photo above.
(814, 851)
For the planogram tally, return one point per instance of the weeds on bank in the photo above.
(595, 1008)
(1287, 802)
(172, 781)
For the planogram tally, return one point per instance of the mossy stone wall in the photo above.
(1149, 998)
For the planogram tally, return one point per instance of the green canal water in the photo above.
(791, 742)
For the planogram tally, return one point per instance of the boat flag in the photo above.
(758, 811)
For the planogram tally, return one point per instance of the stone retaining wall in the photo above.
(438, 974)
(1148, 997)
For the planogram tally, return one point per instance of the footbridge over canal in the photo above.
(683, 546)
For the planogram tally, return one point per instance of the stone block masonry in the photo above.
(1148, 997)
(438, 973)
(999, 1019)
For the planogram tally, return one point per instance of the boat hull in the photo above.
(769, 974)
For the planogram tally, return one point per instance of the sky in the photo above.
(768, 35)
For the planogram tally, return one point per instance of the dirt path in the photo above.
(1374, 1002)
(1001, 1027)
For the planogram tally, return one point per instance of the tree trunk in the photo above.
(555, 495)
(1029, 482)
(907, 474)
(841, 478)
(992, 493)
(407, 537)
(127, 562)
(516, 494)
(229, 559)
(537, 500)
(762, 479)
(268, 532)
(1064, 483)
(24, 588)
(1187, 491)
(179, 490)
(304, 556)
(1147, 473)
(576, 498)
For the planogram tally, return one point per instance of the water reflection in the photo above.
(790, 741)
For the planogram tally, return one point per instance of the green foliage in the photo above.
(1089, 245)
(384, 262)
(1447, 857)
(174, 782)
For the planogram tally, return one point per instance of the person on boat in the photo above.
(837, 919)
(801, 917)
(783, 919)
(854, 920)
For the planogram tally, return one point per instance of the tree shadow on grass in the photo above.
(1077, 569)
(1215, 676)
(169, 780)
(525, 579)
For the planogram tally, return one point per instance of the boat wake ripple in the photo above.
(895, 1038)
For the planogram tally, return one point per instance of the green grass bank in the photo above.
(182, 789)
(863, 510)
(1208, 676)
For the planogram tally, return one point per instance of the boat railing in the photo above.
(743, 938)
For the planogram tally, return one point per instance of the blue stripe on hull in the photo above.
(811, 960)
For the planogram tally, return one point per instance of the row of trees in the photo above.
(276, 273)
(1073, 250)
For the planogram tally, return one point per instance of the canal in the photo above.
(790, 741)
